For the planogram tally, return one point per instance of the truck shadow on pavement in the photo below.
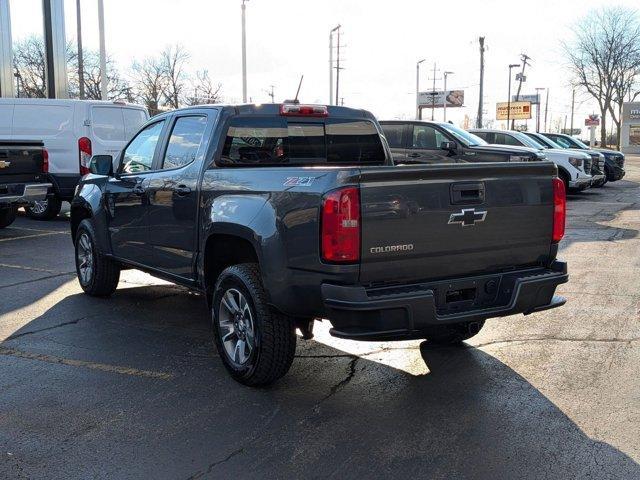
(131, 387)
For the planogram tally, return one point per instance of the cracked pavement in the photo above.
(131, 387)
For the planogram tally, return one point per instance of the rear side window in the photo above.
(133, 120)
(185, 141)
(393, 134)
(107, 123)
(275, 141)
(486, 136)
(503, 139)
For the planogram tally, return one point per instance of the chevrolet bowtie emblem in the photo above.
(468, 217)
(4, 164)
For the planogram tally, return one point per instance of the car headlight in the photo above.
(576, 162)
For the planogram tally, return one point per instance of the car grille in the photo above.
(587, 166)
(597, 168)
(619, 159)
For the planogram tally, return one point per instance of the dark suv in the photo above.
(435, 142)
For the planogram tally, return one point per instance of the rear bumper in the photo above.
(21, 194)
(405, 312)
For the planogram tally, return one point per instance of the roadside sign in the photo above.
(519, 111)
(533, 99)
(592, 121)
(455, 98)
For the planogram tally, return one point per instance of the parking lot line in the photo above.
(81, 363)
(32, 236)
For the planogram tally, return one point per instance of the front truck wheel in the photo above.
(97, 274)
(7, 216)
(255, 343)
(44, 209)
(455, 333)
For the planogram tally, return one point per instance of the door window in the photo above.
(138, 156)
(504, 139)
(486, 136)
(185, 141)
(393, 134)
(563, 142)
(427, 138)
(107, 123)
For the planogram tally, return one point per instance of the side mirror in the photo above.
(451, 146)
(101, 165)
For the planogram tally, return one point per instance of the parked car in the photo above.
(72, 130)
(282, 214)
(435, 142)
(573, 167)
(598, 177)
(23, 177)
(614, 161)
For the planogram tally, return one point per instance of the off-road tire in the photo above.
(52, 209)
(454, 334)
(7, 216)
(274, 333)
(105, 274)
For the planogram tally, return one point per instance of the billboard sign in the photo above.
(454, 98)
(533, 99)
(519, 111)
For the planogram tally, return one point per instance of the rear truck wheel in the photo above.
(97, 274)
(7, 216)
(454, 334)
(44, 209)
(255, 343)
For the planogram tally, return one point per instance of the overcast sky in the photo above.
(382, 42)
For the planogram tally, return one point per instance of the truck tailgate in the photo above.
(443, 221)
(21, 162)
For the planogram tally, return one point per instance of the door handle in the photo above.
(182, 190)
(138, 190)
(413, 155)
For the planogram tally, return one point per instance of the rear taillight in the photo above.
(293, 109)
(45, 161)
(84, 152)
(559, 209)
(340, 226)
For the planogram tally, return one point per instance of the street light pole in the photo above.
(244, 54)
(331, 64)
(103, 53)
(418, 88)
(513, 65)
(444, 103)
(538, 89)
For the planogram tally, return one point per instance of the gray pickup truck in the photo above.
(284, 214)
(23, 177)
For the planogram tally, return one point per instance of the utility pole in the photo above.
(573, 102)
(338, 68)
(418, 88)
(480, 106)
(331, 64)
(546, 108)
(6, 53)
(244, 53)
(271, 93)
(538, 108)
(524, 58)
(444, 102)
(80, 59)
(433, 92)
(513, 65)
(103, 53)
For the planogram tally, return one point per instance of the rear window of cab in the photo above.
(268, 140)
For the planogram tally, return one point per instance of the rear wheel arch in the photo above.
(221, 251)
(564, 175)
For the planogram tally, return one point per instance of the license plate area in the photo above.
(463, 295)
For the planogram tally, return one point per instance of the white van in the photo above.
(72, 131)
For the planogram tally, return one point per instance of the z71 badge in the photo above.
(298, 181)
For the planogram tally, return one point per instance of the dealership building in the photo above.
(630, 129)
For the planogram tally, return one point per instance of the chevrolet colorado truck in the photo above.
(23, 177)
(282, 214)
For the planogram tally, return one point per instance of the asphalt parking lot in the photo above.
(131, 387)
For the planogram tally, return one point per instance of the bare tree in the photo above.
(203, 91)
(173, 62)
(29, 67)
(602, 55)
(150, 83)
